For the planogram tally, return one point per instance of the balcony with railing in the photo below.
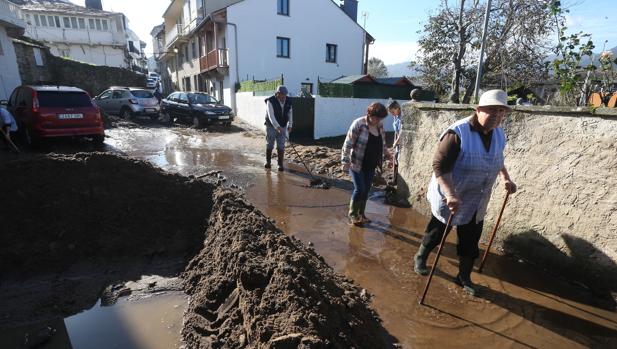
(11, 17)
(176, 33)
(214, 59)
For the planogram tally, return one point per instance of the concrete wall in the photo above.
(251, 109)
(334, 115)
(565, 164)
(9, 74)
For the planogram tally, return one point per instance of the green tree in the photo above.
(377, 68)
(516, 45)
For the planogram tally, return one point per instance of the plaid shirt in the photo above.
(355, 143)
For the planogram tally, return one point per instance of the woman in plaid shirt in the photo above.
(363, 151)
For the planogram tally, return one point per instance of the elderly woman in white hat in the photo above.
(468, 159)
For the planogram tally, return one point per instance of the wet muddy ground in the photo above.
(519, 305)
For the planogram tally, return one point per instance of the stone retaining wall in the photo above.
(565, 164)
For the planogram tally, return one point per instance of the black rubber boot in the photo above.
(281, 155)
(268, 158)
(419, 260)
(463, 278)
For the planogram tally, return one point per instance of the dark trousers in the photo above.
(468, 236)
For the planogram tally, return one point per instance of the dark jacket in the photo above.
(281, 114)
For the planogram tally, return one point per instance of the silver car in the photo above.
(128, 102)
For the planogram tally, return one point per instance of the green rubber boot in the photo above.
(463, 278)
(419, 260)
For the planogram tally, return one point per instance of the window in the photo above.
(57, 20)
(82, 23)
(36, 20)
(98, 24)
(105, 95)
(186, 53)
(44, 21)
(282, 47)
(74, 22)
(283, 7)
(331, 53)
(67, 22)
(194, 49)
(1, 49)
(105, 27)
(91, 23)
(38, 59)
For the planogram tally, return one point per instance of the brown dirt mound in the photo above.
(252, 286)
(93, 206)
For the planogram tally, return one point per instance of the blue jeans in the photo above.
(362, 185)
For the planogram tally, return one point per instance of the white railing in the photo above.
(175, 31)
(11, 13)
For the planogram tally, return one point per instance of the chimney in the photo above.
(94, 4)
(350, 7)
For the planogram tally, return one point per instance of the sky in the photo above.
(393, 23)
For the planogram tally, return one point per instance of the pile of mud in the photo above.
(61, 209)
(252, 286)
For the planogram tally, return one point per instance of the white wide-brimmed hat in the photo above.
(494, 97)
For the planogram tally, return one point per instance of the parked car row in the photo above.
(61, 111)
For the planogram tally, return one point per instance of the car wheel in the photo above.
(167, 117)
(126, 114)
(98, 139)
(227, 124)
(197, 123)
(154, 117)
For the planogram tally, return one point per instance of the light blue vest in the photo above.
(474, 174)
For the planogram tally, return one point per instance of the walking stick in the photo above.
(490, 242)
(430, 277)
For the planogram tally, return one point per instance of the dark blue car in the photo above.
(196, 108)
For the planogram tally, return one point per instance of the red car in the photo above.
(55, 111)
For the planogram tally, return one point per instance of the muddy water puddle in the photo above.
(152, 322)
(518, 306)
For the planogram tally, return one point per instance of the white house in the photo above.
(222, 42)
(11, 25)
(85, 34)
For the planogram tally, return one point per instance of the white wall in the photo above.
(99, 55)
(310, 26)
(9, 71)
(333, 116)
(251, 109)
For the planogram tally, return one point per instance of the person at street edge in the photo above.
(394, 108)
(7, 125)
(279, 120)
(363, 151)
(468, 159)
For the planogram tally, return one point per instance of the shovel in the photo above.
(8, 139)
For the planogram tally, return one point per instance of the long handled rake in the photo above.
(443, 240)
(315, 182)
(490, 242)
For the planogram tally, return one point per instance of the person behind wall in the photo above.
(7, 125)
(363, 151)
(468, 159)
(395, 109)
(157, 91)
(279, 120)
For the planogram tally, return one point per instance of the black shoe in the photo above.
(467, 285)
(463, 278)
(281, 168)
(267, 165)
(419, 261)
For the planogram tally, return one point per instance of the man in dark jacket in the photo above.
(278, 123)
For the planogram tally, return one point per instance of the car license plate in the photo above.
(223, 117)
(70, 116)
(150, 110)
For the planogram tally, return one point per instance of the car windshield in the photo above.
(142, 93)
(63, 99)
(202, 99)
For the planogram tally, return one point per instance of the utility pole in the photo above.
(480, 63)
(365, 17)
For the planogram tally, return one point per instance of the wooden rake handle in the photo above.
(490, 242)
(430, 277)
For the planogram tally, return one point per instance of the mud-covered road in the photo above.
(519, 306)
